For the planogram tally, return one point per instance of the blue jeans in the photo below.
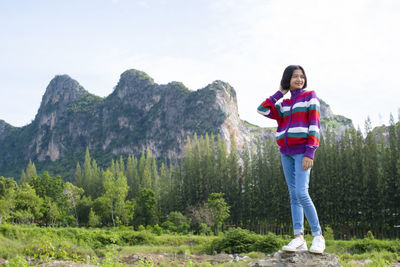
(297, 180)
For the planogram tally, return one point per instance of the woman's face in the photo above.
(298, 79)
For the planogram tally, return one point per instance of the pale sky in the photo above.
(348, 48)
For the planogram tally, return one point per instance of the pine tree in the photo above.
(132, 176)
(371, 178)
(247, 202)
(87, 173)
(233, 193)
(357, 178)
(221, 168)
(96, 187)
(26, 177)
(207, 165)
(121, 165)
(146, 208)
(146, 174)
(155, 178)
(78, 176)
(187, 175)
(23, 178)
(197, 176)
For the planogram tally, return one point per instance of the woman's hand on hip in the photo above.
(307, 163)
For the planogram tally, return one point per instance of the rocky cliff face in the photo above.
(138, 114)
(5, 129)
(61, 91)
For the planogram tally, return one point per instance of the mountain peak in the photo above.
(224, 87)
(61, 90)
(136, 75)
(131, 81)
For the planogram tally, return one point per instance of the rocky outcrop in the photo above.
(336, 123)
(298, 259)
(233, 127)
(61, 91)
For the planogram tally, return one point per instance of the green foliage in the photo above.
(29, 174)
(146, 208)
(328, 233)
(86, 103)
(177, 223)
(157, 230)
(7, 197)
(268, 243)
(73, 196)
(27, 204)
(94, 220)
(219, 209)
(116, 190)
(75, 244)
(213, 190)
(112, 257)
(17, 261)
(47, 186)
(237, 240)
(368, 245)
(9, 248)
(46, 249)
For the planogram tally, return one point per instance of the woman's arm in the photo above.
(269, 109)
(313, 110)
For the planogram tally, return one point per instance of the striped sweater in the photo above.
(298, 121)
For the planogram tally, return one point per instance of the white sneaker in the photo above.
(296, 244)
(318, 245)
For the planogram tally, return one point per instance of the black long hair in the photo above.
(287, 75)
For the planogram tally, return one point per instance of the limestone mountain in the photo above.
(138, 114)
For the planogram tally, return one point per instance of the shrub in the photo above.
(235, 240)
(369, 245)
(9, 231)
(170, 226)
(157, 230)
(328, 233)
(176, 223)
(45, 249)
(268, 243)
(137, 238)
(183, 228)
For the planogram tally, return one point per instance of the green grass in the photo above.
(380, 252)
(106, 246)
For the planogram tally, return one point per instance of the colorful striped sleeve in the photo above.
(269, 109)
(313, 110)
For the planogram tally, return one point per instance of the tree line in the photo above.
(355, 185)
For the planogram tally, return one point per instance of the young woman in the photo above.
(298, 138)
